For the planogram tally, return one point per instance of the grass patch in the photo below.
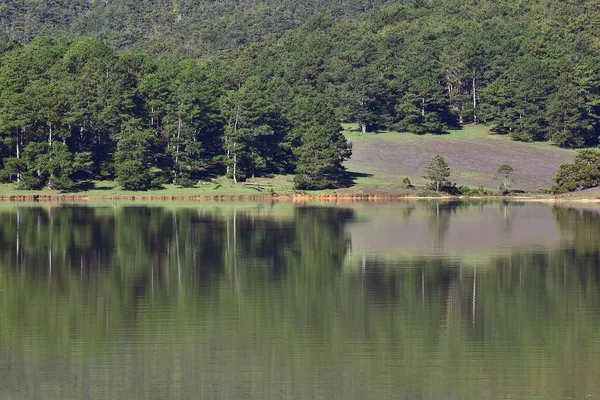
(280, 185)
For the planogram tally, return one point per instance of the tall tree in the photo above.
(253, 132)
(132, 158)
(322, 148)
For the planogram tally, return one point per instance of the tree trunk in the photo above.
(235, 127)
(423, 106)
(18, 149)
(437, 186)
(474, 100)
(363, 127)
(50, 134)
(227, 155)
(177, 150)
(234, 164)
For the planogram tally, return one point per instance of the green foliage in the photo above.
(193, 27)
(132, 158)
(467, 191)
(322, 148)
(406, 182)
(320, 157)
(254, 132)
(185, 181)
(438, 172)
(530, 72)
(505, 172)
(582, 173)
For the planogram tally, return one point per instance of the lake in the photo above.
(405, 300)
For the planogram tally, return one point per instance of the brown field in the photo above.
(473, 154)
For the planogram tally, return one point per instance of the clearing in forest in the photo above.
(382, 160)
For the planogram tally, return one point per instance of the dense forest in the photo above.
(173, 91)
(72, 111)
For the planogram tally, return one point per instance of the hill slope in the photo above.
(196, 27)
(472, 154)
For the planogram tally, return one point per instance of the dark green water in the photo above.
(258, 301)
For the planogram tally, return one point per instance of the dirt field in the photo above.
(473, 155)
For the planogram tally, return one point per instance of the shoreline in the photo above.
(294, 198)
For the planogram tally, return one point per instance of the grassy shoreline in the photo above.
(379, 163)
(238, 194)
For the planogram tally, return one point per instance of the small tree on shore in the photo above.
(438, 173)
(505, 172)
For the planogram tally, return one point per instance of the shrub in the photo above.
(582, 173)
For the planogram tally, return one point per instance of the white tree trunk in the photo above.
(474, 100)
(227, 155)
(235, 128)
(18, 149)
(234, 164)
(177, 150)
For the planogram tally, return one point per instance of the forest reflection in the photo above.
(76, 278)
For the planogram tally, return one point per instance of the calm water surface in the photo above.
(258, 301)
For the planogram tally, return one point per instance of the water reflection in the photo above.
(423, 300)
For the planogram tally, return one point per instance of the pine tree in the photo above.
(438, 173)
(322, 148)
(132, 158)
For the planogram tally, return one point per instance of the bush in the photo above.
(29, 182)
(184, 181)
(133, 175)
(303, 182)
(544, 191)
(467, 191)
(582, 173)
(62, 183)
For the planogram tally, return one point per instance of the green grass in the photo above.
(281, 185)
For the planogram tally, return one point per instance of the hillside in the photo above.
(196, 28)
(382, 160)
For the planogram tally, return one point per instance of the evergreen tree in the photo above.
(322, 148)
(132, 158)
(254, 131)
(438, 172)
